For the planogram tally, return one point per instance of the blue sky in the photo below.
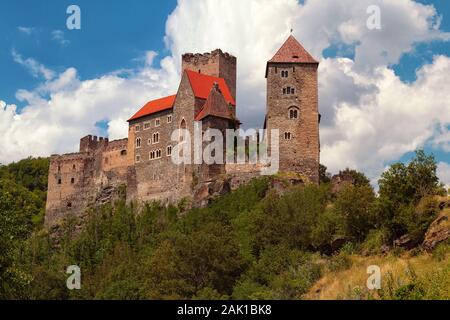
(113, 35)
(117, 35)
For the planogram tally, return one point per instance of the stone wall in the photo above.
(300, 153)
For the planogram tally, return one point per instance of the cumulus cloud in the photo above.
(369, 116)
(62, 109)
(443, 172)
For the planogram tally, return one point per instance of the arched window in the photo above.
(182, 126)
(138, 142)
(293, 113)
(72, 181)
(156, 137)
(169, 151)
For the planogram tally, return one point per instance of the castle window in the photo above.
(284, 74)
(59, 168)
(138, 158)
(123, 152)
(169, 151)
(74, 167)
(72, 181)
(157, 122)
(158, 154)
(59, 181)
(293, 113)
(138, 142)
(69, 204)
(182, 126)
(287, 136)
(146, 125)
(156, 137)
(288, 90)
(137, 128)
(152, 155)
(169, 118)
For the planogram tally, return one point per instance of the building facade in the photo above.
(143, 164)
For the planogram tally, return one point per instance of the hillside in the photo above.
(266, 240)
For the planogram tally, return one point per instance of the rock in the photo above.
(438, 231)
(338, 243)
(339, 181)
(404, 242)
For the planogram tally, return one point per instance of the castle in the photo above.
(207, 93)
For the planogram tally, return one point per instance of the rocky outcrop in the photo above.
(439, 230)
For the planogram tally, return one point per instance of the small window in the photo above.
(158, 154)
(152, 155)
(169, 118)
(146, 125)
(69, 204)
(284, 90)
(149, 141)
(157, 122)
(74, 167)
(59, 168)
(137, 128)
(293, 113)
(287, 136)
(138, 158)
(123, 152)
(138, 142)
(169, 151)
(72, 181)
(59, 181)
(284, 74)
(156, 137)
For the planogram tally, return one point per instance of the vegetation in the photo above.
(255, 243)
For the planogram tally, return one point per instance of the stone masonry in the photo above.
(142, 164)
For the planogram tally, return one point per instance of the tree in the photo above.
(324, 176)
(355, 204)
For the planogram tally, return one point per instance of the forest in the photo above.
(257, 242)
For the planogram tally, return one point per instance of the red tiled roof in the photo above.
(201, 85)
(154, 106)
(215, 105)
(292, 51)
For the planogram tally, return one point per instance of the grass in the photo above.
(402, 277)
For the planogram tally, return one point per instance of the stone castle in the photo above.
(140, 166)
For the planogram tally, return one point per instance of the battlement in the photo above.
(91, 143)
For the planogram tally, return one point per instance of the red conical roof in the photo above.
(292, 51)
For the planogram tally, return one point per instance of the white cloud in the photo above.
(35, 68)
(26, 30)
(392, 120)
(61, 110)
(58, 35)
(443, 172)
(369, 116)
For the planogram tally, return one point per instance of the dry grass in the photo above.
(395, 273)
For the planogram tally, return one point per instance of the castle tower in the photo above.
(292, 108)
(215, 63)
